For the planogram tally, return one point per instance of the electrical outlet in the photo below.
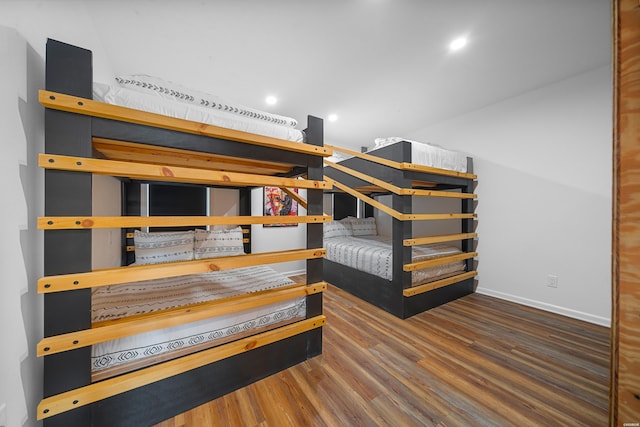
(552, 281)
(3, 415)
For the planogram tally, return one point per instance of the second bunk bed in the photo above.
(107, 361)
(401, 272)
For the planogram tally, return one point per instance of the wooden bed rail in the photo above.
(420, 289)
(438, 261)
(72, 222)
(135, 273)
(398, 190)
(166, 173)
(394, 213)
(119, 328)
(402, 165)
(438, 239)
(89, 107)
(76, 398)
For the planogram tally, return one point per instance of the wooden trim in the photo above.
(438, 239)
(110, 330)
(95, 392)
(165, 173)
(420, 289)
(438, 261)
(71, 222)
(403, 165)
(624, 398)
(135, 273)
(74, 104)
(397, 190)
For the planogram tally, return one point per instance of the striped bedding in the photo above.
(373, 255)
(118, 301)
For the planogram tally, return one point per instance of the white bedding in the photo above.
(429, 155)
(154, 103)
(374, 255)
(117, 301)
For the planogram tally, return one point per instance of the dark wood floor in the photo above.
(477, 361)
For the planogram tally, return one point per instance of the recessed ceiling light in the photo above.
(271, 100)
(458, 44)
(332, 117)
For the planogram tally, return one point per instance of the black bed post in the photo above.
(69, 71)
(401, 230)
(244, 208)
(468, 206)
(315, 136)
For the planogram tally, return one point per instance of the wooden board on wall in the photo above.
(625, 331)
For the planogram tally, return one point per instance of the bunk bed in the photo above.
(172, 255)
(409, 274)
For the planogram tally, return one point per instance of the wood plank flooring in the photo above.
(478, 361)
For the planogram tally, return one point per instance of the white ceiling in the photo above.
(381, 65)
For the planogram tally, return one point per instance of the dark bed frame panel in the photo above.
(69, 71)
(380, 292)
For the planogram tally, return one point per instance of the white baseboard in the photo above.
(598, 320)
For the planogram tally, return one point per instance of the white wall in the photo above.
(24, 28)
(269, 239)
(543, 161)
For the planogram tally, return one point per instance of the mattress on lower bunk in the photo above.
(153, 103)
(374, 255)
(119, 301)
(431, 155)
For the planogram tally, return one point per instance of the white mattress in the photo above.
(117, 301)
(429, 155)
(374, 255)
(157, 104)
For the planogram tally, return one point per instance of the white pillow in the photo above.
(218, 243)
(337, 229)
(170, 90)
(364, 226)
(160, 247)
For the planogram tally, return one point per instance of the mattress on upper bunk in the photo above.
(183, 103)
(374, 255)
(426, 154)
(119, 301)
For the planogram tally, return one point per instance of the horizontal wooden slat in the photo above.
(426, 217)
(428, 169)
(403, 165)
(420, 289)
(93, 108)
(110, 330)
(144, 153)
(145, 171)
(438, 261)
(70, 222)
(76, 398)
(438, 239)
(135, 273)
(398, 190)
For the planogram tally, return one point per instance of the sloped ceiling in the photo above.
(382, 66)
